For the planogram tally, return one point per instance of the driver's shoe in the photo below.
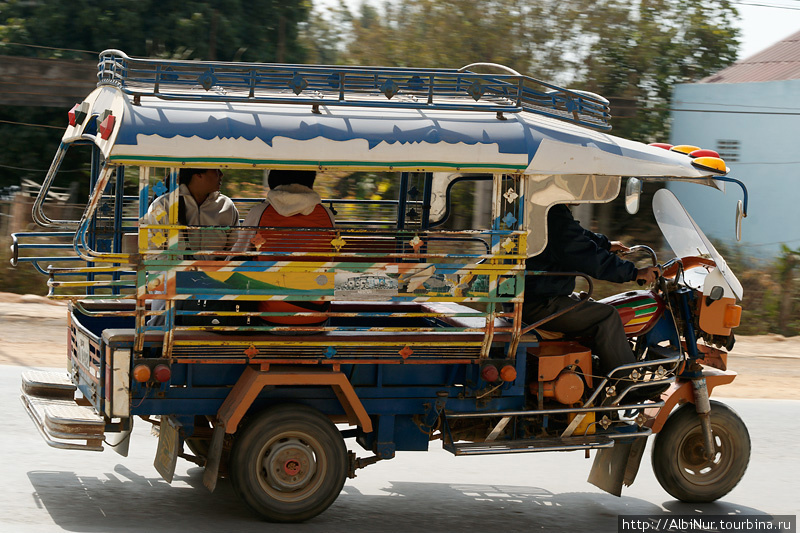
(648, 392)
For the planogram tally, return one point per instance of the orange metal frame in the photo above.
(253, 380)
(682, 391)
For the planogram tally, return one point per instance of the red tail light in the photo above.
(78, 113)
(162, 373)
(489, 373)
(106, 127)
(665, 146)
(704, 153)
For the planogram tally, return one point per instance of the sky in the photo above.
(763, 22)
(764, 26)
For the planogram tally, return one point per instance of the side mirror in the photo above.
(739, 217)
(633, 193)
(717, 293)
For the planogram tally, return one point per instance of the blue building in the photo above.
(750, 114)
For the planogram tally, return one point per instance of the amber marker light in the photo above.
(141, 373)
(684, 148)
(508, 373)
(733, 316)
(714, 164)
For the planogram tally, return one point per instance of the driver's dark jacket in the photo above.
(570, 248)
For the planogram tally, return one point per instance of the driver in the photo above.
(571, 248)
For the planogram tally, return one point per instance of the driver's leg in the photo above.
(598, 325)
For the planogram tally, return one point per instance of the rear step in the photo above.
(564, 444)
(47, 384)
(48, 398)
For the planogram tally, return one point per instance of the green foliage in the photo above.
(28, 150)
(641, 51)
(637, 51)
(235, 30)
(771, 291)
(524, 35)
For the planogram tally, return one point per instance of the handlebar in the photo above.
(649, 251)
(642, 247)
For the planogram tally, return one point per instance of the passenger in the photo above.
(290, 203)
(571, 248)
(200, 204)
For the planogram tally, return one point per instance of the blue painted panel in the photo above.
(209, 122)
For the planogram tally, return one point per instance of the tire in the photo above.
(200, 442)
(198, 447)
(289, 463)
(678, 461)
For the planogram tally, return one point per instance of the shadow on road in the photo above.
(125, 501)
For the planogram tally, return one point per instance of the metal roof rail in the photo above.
(379, 87)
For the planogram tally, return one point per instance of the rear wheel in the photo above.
(289, 464)
(679, 461)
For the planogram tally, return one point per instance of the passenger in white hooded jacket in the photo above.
(290, 194)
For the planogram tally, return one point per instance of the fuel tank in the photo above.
(639, 310)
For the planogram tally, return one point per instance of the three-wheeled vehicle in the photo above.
(419, 333)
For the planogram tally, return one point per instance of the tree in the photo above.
(616, 48)
(235, 30)
(642, 50)
(256, 30)
(453, 33)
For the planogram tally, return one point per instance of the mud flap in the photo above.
(634, 461)
(614, 466)
(120, 442)
(211, 473)
(169, 446)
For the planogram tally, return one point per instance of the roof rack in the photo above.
(382, 87)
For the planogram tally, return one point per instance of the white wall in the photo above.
(765, 119)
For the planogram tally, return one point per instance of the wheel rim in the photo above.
(694, 466)
(291, 466)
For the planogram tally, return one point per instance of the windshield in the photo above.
(686, 238)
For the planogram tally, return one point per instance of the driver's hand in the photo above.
(647, 275)
(617, 247)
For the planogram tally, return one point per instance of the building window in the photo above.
(728, 150)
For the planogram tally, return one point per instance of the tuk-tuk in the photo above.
(418, 332)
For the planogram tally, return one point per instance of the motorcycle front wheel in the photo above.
(679, 458)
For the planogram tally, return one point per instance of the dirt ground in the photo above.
(33, 334)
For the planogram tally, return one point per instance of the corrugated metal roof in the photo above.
(781, 61)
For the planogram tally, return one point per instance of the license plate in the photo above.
(86, 354)
(83, 350)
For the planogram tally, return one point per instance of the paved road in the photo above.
(45, 489)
